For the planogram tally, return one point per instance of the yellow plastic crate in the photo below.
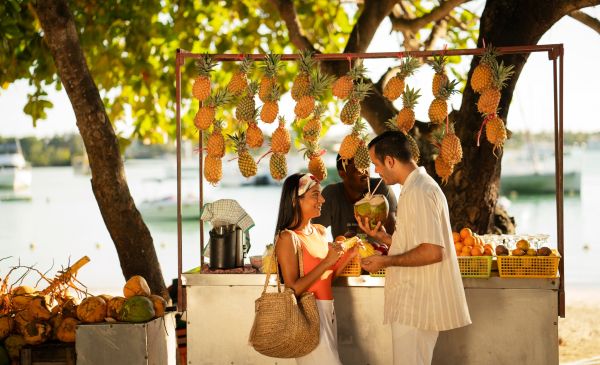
(353, 268)
(475, 266)
(378, 273)
(528, 266)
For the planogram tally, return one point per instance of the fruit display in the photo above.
(342, 87)
(467, 243)
(318, 84)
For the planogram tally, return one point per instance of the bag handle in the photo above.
(298, 246)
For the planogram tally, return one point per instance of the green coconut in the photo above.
(137, 309)
(372, 206)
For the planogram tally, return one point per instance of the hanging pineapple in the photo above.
(406, 117)
(254, 135)
(281, 140)
(395, 86)
(278, 166)
(351, 142)
(246, 105)
(495, 132)
(343, 86)
(490, 97)
(239, 80)
(215, 144)
(451, 149)
(439, 78)
(443, 169)
(318, 84)
(269, 78)
(438, 110)
(412, 144)
(302, 81)
(362, 160)
(270, 108)
(213, 169)
(481, 78)
(246, 163)
(351, 110)
(201, 87)
(311, 131)
(206, 114)
(316, 166)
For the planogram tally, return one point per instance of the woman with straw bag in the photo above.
(307, 262)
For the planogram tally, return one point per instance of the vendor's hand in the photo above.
(373, 263)
(378, 232)
(333, 255)
(353, 252)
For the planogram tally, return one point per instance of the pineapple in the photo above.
(414, 148)
(269, 78)
(351, 110)
(246, 106)
(440, 78)
(239, 80)
(278, 166)
(316, 166)
(302, 81)
(451, 149)
(201, 87)
(351, 142)
(254, 135)
(495, 132)
(306, 104)
(206, 114)
(281, 140)
(213, 169)
(362, 160)
(270, 108)
(443, 169)
(406, 117)
(246, 163)
(395, 86)
(215, 144)
(343, 86)
(312, 128)
(490, 97)
(438, 110)
(481, 78)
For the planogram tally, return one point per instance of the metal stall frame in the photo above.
(555, 54)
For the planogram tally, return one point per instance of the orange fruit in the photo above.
(487, 251)
(466, 249)
(469, 241)
(458, 246)
(456, 236)
(465, 254)
(477, 251)
(478, 241)
(465, 232)
(488, 245)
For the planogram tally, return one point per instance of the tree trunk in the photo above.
(472, 190)
(131, 237)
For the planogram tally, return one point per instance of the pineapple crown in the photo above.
(281, 120)
(489, 56)
(319, 82)
(501, 74)
(205, 64)
(391, 124)
(307, 61)
(219, 97)
(274, 94)
(271, 64)
(252, 88)
(438, 63)
(410, 97)
(311, 150)
(357, 71)
(408, 67)
(319, 109)
(448, 88)
(246, 65)
(217, 125)
(239, 141)
(361, 90)
(358, 127)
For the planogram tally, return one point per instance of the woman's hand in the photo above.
(333, 255)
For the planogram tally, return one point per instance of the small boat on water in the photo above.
(15, 171)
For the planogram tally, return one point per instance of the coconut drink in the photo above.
(372, 206)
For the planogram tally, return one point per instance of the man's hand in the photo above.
(378, 233)
(374, 263)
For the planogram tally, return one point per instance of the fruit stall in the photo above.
(514, 284)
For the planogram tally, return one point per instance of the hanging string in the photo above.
(485, 121)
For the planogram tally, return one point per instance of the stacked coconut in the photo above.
(308, 88)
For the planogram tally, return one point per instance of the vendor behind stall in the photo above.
(338, 210)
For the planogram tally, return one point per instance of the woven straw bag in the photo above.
(285, 326)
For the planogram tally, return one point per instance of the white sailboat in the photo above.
(15, 171)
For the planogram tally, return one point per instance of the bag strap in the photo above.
(298, 247)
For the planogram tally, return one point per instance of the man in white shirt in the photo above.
(424, 293)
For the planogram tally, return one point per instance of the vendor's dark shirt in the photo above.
(338, 213)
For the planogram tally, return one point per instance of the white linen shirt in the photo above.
(430, 297)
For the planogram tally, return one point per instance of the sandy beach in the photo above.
(579, 331)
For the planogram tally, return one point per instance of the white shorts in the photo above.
(412, 346)
(326, 353)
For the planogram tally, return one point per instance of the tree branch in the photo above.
(414, 25)
(372, 15)
(586, 19)
(295, 31)
(438, 31)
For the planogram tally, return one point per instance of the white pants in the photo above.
(412, 346)
(326, 352)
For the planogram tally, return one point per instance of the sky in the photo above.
(531, 109)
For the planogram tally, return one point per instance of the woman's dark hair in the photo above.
(290, 214)
(393, 144)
